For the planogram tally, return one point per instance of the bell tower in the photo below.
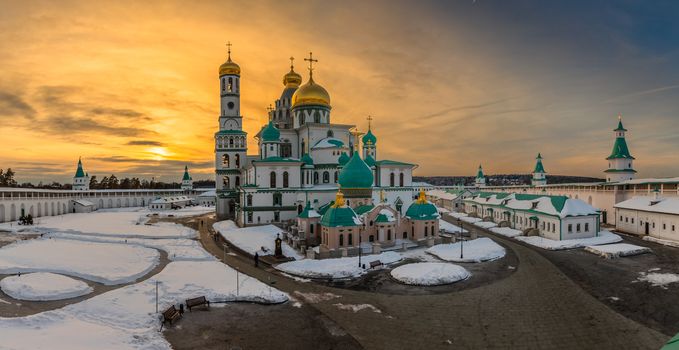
(230, 140)
(620, 162)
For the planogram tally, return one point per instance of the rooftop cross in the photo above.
(228, 48)
(292, 65)
(370, 118)
(311, 61)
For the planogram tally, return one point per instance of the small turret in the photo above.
(620, 162)
(480, 178)
(81, 180)
(539, 174)
(187, 180)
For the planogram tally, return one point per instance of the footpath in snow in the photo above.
(253, 239)
(106, 263)
(604, 237)
(335, 268)
(476, 250)
(430, 273)
(42, 286)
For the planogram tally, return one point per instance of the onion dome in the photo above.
(292, 79)
(306, 158)
(311, 94)
(271, 133)
(356, 174)
(421, 209)
(229, 67)
(370, 161)
(343, 159)
(369, 138)
(339, 214)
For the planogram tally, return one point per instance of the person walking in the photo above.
(256, 259)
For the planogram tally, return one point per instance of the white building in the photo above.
(187, 180)
(301, 155)
(170, 202)
(81, 180)
(553, 217)
(652, 216)
(539, 174)
(480, 180)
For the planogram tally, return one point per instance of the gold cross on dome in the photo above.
(292, 66)
(370, 118)
(228, 48)
(311, 61)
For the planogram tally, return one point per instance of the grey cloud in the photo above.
(14, 105)
(144, 143)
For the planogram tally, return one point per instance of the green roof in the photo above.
(230, 132)
(620, 127)
(557, 201)
(307, 210)
(186, 173)
(356, 174)
(538, 165)
(369, 138)
(422, 211)
(323, 208)
(620, 149)
(339, 217)
(362, 209)
(479, 174)
(370, 161)
(620, 171)
(391, 162)
(337, 143)
(382, 218)
(79, 172)
(270, 133)
(306, 158)
(343, 158)
(672, 344)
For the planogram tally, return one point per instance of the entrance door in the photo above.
(646, 228)
(604, 217)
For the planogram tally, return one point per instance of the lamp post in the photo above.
(459, 222)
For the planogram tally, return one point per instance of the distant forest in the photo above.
(107, 183)
(502, 179)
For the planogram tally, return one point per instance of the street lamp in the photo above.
(459, 222)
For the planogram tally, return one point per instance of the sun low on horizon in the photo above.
(133, 88)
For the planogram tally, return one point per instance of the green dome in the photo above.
(369, 138)
(421, 209)
(370, 161)
(339, 214)
(271, 133)
(356, 174)
(343, 159)
(306, 158)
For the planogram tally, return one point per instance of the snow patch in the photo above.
(357, 307)
(506, 231)
(476, 250)
(485, 224)
(617, 250)
(604, 237)
(658, 279)
(253, 239)
(429, 273)
(335, 268)
(41, 286)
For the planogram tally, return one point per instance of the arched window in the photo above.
(237, 85)
(400, 179)
(277, 199)
(351, 239)
(285, 179)
(336, 176)
(223, 84)
(229, 87)
(426, 231)
(331, 133)
(389, 235)
(326, 177)
(225, 160)
(315, 177)
(226, 182)
(249, 200)
(272, 179)
(341, 240)
(230, 141)
(371, 238)
(237, 158)
(391, 180)
(237, 182)
(405, 235)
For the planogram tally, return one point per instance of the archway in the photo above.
(118, 203)
(2, 213)
(101, 203)
(63, 208)
(52, 209)
(30, 211)
(12, 212)
(110, 203)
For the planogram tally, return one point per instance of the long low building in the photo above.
(652, 216)
(553, 217)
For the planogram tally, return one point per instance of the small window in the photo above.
(570, 228)
(230, 105)
(586, 227)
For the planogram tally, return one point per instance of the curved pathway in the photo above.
(537, 307)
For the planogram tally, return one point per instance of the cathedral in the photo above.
(304, 160)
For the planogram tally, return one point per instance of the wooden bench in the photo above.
(171, 314)
(197, 302)
(374, 264)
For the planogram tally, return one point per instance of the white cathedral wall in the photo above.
(661, 225)
(263, 175)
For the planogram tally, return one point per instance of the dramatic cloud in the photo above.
(144, 143)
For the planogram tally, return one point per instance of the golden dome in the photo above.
(292, 79)
(311, 94)
(229, 67)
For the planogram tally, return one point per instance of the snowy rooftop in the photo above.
(561, 206)
(210, 193)
(442, 194)
(172, 199)
(663, 205)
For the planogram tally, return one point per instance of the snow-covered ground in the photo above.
(183, 212)
(100, 262)
(485, 224)
(617, 250)
(252, 239)
(604, 237)
(476, 250)
(125, 318)
(658, 279)
(506, 231)
(335, 268)
(457, 215)
(176, 249)
(430, 273)
(448, 227)
(43, 286)
(130, 222)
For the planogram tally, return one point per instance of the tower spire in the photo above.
(228, 50)
(311, 61)
(370, 118)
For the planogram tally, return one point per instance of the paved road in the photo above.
(537, 307)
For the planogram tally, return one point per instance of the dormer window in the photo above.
(534, 205)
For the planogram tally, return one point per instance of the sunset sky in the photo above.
(132, 87)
